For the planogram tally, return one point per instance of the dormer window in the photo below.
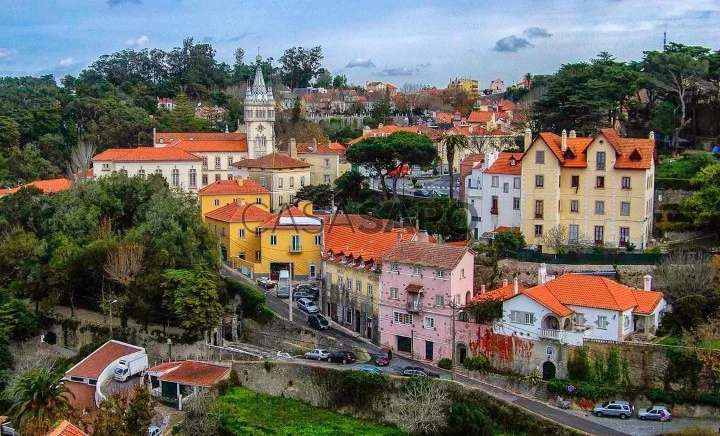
(513, 162)
(342, 259)
(635, 155)
(332, 256)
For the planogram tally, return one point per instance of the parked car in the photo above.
(307, 305)
(371, 369)
(417, 371)
(422, 193)
(655, 413)
(317, 354)
(384, 357)
(266, 283)
(309, 289)
(153, 430)
(620, 408)
(342, 357)
(302, 294)
(318, 321)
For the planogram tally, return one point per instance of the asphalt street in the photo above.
(438, 184)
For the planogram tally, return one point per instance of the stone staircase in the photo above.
(541, 393)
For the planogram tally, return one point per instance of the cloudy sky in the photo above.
(394, 41)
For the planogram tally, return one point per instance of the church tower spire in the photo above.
(259, 115)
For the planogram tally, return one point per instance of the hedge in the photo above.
(682, 184)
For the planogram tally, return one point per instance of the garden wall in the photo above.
(325, 387)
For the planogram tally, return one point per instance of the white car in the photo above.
(307, 305)
(153, 430)
(317, 354)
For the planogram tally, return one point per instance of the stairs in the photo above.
(541, 393)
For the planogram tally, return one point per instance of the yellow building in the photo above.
(236, 224)
(224, 192)
(469, 86)
(325, 161)
(598, 190)
(282, 175)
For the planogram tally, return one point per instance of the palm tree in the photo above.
(40, 396)
(453, 142)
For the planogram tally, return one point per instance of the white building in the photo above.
(493, 192)
(259, 116)
(574, 307)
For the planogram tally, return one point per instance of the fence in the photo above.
(619, 258)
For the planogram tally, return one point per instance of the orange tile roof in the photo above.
(236, 213)
(426, 254)
(506, 229)
(173, 137)
(389, 130)
(273, 221)
(503, 164)
(194, 373)
(309, 147)
(51, 186)
(472, 159)
(143, 154)
(164, 366)
(209, 146)
(480, 116)
(458, 243)
(82, 396)
(647, 301)
(362, 236)
(98, 360)
(236, 186)
(66, 429)
(502, 293)
(274, 161)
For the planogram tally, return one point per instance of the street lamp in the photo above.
(111, 321)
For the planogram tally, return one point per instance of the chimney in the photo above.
(516, 286)
(563, 140)
(315, 145)
(528, 138)
(482, 289)
(155, 132)
(505, 282)
(542, 274)
(423, 236)
(381, 125)
(417, 224)
(292, 148)
(652, 135)
(366, 130)
(573, 134)
(240, 182)
(648, 283)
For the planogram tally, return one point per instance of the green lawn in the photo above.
(244, 412)
(684, 167)
(672, 340)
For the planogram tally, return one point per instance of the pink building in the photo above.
(420, 281)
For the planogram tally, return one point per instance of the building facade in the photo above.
(469, 86)
(224, 192)
(324, 161)
(237, 226)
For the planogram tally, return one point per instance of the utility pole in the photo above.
(111, 320)
(452, 366)
(290, 292)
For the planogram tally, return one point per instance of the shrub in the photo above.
(234, 379)
(630, 247)
(476, 363)
(585, 403)
(533, 377)
(268, 365)
(445, 363)
(579, 365)
(222, 387)
(466, 417)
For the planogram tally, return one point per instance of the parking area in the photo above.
(636, 426)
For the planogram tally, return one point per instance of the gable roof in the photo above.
(426, 254)
(236, 213)
(235, 186)
(480, 116)
(66, 429)
(272, 161)
(501, 294)
(309, 147)
(503, 164)
(193, 373)
(208, 146)
(174, 137)
(362, 236)
(291, 217)
(142, 154)
(51, 186)
(98, 360)
(389, 130)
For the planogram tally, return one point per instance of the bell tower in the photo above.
(259, 116)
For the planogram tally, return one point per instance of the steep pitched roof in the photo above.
(236, 213)
(142, 154)
(480, 116)
(273, 161)
(194, 373)
(211, 145)
(236, 186)
(51, 186)
(503, 164)
(362, 236)
(66, 429)
(426, 254)
(174, 137)
(98, 360)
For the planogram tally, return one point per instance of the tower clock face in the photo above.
(260, 128)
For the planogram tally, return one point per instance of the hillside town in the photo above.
(192, 247)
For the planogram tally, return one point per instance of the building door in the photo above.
(357, 321)
(313, 272)
(461, 353)
(404, 344)
(428, 350)
(369, 328)
(548, 370)
(224, 253)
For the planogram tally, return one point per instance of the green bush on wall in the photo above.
(445, 363)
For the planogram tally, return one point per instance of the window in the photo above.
(216, 202)
(258, 200)
(326, 163)
(157, 171)
(579, 319)
(204, 179)
(394, 293)
(394, 267)
(295, 243)
(106, 167)
(348, 315)
(280, 182)
(205, 162)
(440, 272)
(262, 181)
(402, 318)
(280, 199)
(574, 181)
(625, 208)
(230, 160)
(599, 207)
(539, 208)
(348, 283)
(599, 234)
(625, 183)
(574, 206)
(302, 180)
(429, 322)
(358, 286)
(217, 177)
(241, 233)
(519, 317)
(326, 179)
(574, 232)
(230, 176)
(538, 231)
(516, 203)
(462, 273)
(141, 174)
(600, 161)
(494, 205)
(217, 162)
(495, 181)
(539, 157)
(273, 239)
(258, 232)
(193, 178)
(175, 178)
(624, 236)
(370, 290)
(600, 182)
(318, 240)
(258, 256)
(506, 187)
(292, 182)
(516, 182)
(417, 270)
(539, 180)
(439, 301)
(602, 322)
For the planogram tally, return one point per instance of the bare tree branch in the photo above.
(423, 408)
(124, 263)
(81, 160)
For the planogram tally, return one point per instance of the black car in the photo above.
(417, 371)
(342, 357)
(308, 288)
(318, 322)
(422, 193)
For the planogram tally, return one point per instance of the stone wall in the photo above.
(325, 387)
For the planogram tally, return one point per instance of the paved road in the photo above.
(280, 306)
(439, 184)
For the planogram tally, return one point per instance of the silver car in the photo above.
(620, 408)
(307, 306)
(317, 354)
(657, 413)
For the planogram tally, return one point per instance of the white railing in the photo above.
(566, 337)
(550, 334)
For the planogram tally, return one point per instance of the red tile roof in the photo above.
(51, 186)
(66, 429)
(142, 154)
(98, 360)
(83, 396)
(389, 130)
(501, 294)
(274, 220)
(231, 187)
(236, 213)
(274, 161)
(194, 373)
(503, 164)
(309, 147)
(480, 116)
(506, 229)
(647, 301)
(173, 137)
(362, 236)
(426, 254)
(210, 146)
(412, 288)
(458, 243)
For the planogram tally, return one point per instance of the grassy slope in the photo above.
(244, 412)
(685, 167)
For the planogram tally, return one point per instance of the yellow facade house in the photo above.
(325, 161)
(224, 192)
(469, 86)
(598, 190)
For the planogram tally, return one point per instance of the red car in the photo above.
(384, 357)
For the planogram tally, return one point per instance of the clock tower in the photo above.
(259, 116)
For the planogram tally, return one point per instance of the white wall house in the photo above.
(493, 193)
(573, 308)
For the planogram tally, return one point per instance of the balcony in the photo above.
(414, 306)
(295, 248)
(563, 336)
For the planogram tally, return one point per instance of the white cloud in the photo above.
(142, 41)
(6, 52)
(67, 62)
(360, 63)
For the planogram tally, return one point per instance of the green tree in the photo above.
(40, 396)
(320, 195)
(453, 143)
(348, 187)
(139, 413)
(9, 133)
(182, 118)
(324, 78)
(381, 113)
(508, 242)
(339, 81)
(467, 418)
(299, 66)
(704, 204)
(194, 298)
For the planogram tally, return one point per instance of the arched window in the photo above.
(193, 178)
(260, 146)
(175, 178)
